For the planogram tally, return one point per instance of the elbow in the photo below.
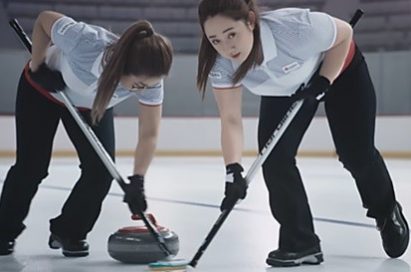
(41, 20)
(149, 137)
(46, 19)
(231, 121)
(348, 31)
(43, 15)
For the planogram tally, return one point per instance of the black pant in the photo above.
(351, 110)
(37, 119)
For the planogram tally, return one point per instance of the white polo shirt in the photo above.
(293, 41)
(77, 53)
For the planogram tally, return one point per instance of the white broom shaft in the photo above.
(274, 138)
(93, 140)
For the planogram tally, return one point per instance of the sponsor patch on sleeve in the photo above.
(63, 29)
(216, 75)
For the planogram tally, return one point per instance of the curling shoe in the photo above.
(6, 247)
(281, 258)
(394, 232)
(70, 247)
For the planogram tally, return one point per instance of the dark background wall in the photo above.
(384, 33)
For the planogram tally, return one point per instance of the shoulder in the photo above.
(290, 19)
(295, 23)
(67, 29)
(92, 34)
(152, 96)
(222, 65)
(222, 73)
(286, 22)
(287, 16)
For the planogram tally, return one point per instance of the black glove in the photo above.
(134, 194)
(235, 186)
(51, 80)
(317, 86)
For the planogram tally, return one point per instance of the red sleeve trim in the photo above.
(150, 105)
(227, 88)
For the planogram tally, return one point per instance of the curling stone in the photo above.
(135, 244)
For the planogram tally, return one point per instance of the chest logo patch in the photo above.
(291, 67)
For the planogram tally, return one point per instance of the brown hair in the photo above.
(139, 51)
(236, 10)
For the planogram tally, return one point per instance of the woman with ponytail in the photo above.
(97, 70)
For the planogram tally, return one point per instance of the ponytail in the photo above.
(139, 51)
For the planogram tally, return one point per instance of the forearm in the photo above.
(144, 154)
(42, 36)
(148, 131)
(229, 105)
(41, 41)
(232, 142)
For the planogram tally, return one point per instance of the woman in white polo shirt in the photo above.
(272, 54)
(97, 70)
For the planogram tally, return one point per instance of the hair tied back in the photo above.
(145, 33)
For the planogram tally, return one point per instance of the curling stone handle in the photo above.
(150, 217)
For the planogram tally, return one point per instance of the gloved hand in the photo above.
(317, 86)
(134, 194)
(235, 186)
(51, 80)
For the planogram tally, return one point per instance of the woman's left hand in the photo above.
(134, 194)
(318, 86)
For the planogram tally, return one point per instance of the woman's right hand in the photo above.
(134, 194)
(235, 186)
(51, 80)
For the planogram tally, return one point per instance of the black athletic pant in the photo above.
(37, 119)
(351, 110)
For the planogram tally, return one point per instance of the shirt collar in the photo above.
(267, 42)
(97, 67)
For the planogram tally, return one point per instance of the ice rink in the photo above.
(184, 194)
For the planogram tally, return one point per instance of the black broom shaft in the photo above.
(288, 117)
(356, 17)
(20, 32)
